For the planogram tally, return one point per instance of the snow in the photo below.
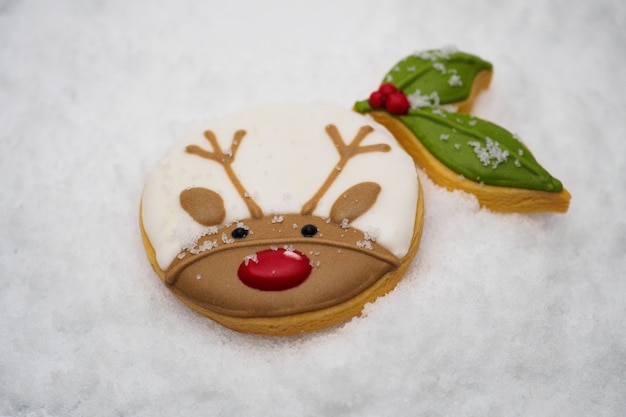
(499, 315)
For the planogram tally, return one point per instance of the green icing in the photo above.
(478, 150)
(363, 107)
(437, 76)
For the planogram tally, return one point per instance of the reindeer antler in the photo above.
(226, 159)
(346, 152)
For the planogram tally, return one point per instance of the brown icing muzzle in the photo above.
(310, 272)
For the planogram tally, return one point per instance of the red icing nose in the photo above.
(275, 270)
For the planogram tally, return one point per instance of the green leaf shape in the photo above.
(362, 106)
(440, 76)
(478, 150)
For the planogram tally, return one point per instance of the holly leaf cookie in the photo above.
(423, 100)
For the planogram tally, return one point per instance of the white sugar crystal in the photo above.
(212, 230)
(278, 219)
(490, 154)
(365, 244)
(254, 196)
(250, 258)
(207, 245)
(439, 66)
(440, 112)
(227, 240)
(418, 100)
(448, 50)
(443, 53)
(444, 136)
(372, 234)
(345, 224)
(455, 81)
(425, 55)
(289, 248)
(190, 246)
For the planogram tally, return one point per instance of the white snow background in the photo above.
(499, 315)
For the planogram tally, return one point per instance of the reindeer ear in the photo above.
(203, 205)
(355, 201)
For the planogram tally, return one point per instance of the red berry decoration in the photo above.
(386, 89)
(376, 99)
(397, 103)
(389, 97)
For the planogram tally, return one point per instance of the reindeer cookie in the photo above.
(283, 219)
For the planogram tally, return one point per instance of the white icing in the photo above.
(285, 152)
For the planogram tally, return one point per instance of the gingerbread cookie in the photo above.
(283, 219)
(424, 100)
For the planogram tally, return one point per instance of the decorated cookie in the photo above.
(283, 219)
(424, 100)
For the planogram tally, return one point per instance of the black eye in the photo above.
(239, 233)
(308, 230)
